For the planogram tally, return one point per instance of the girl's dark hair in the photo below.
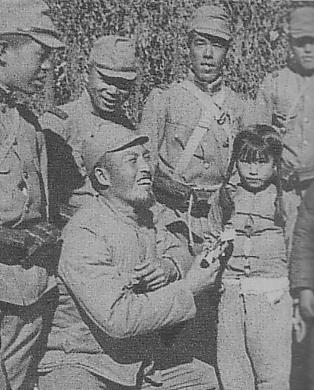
(253, 144)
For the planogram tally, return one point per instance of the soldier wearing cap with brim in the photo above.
(111, 76)
(285, 98)
(122, 279)
(191, 126)
(27, 37)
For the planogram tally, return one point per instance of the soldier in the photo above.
(27, 37)
(191, 126)
(111, 76)
(121, 280)
(302, 273)
(285, 98)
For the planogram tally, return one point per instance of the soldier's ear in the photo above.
(3, 50)
(102, 176)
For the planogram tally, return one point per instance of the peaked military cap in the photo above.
(114, 56)
(28, 17)
(212, 20)
(301, 21)
(108, 139)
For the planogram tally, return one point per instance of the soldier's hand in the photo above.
(199, 278)
(306, 304)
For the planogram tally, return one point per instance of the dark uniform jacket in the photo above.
(302, 255)
(66, 134)
(23, 197)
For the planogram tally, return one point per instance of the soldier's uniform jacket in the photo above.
(77, 123)
(23, 197)
(285, 99)
(302, 255)
(170, 117)
(110, 328)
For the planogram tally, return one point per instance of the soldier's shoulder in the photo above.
(165, 90)
(276, 75)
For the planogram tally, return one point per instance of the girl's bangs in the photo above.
(253, 154)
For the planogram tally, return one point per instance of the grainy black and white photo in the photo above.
(156, 194)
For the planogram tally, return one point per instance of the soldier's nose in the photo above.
(208, 50)
(253, 169)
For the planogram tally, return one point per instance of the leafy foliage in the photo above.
(159, 26)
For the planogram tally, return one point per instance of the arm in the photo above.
(105, 293)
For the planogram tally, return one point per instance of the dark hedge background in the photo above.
(159, 26)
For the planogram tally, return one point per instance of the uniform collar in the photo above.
(127, 213)
(210, 88)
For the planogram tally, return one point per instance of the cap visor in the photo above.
(301, 34)
(127, 75)
(47, 40)
(129, 142)
(214, 33)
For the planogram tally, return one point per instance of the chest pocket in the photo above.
(4, 169)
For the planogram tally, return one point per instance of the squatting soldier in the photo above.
(27, 36)
(191, 126)
(118, 291)
(111, 76)
(285, 98)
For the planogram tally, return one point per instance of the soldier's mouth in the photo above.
(145, 181)
(308, 59)
(208, 66)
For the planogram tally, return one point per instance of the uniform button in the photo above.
(26, 175)
(206, 165)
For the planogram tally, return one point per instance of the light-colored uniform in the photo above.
(102, 325)
(170, 117)
(285, 99)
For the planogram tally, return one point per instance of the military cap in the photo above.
(301, 22)
(114, 56)
(28, 17)
(109, 139)
(212, 20)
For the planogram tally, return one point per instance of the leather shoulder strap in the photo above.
(210, 112)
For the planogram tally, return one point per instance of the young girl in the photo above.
(255, 310)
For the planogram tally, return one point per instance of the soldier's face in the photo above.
(25, 65)
(303, 49)
(254, 175)
(207, 54)
(108, 93)
(131, 175)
